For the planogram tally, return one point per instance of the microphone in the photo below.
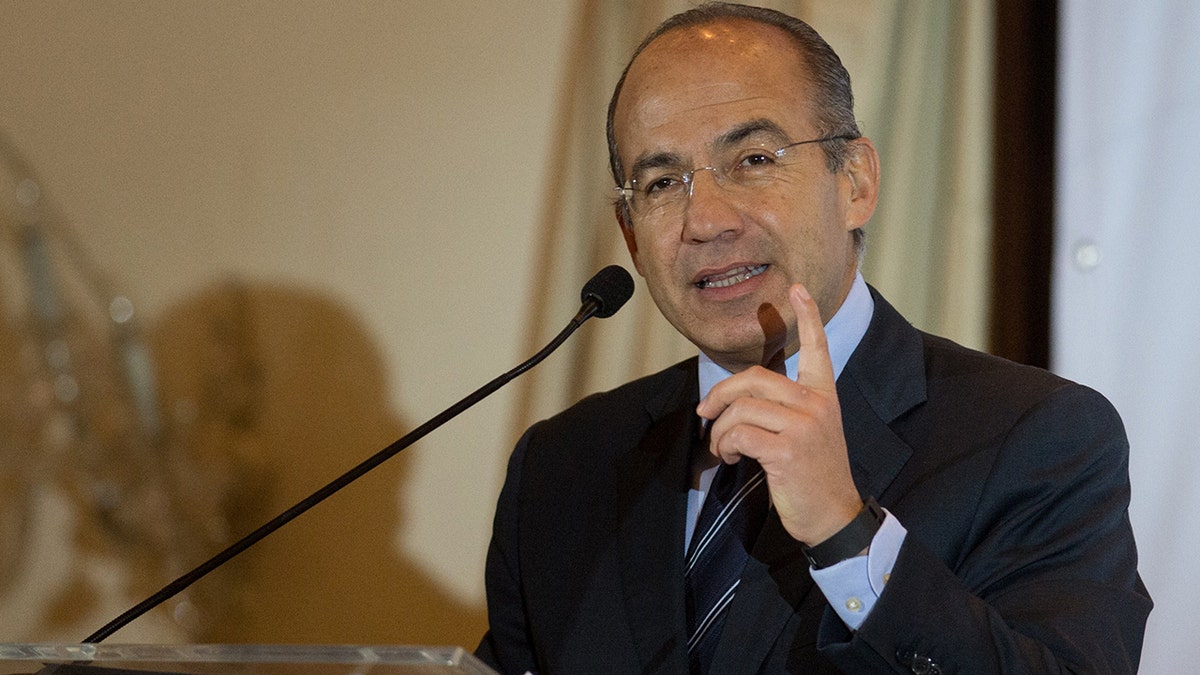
(602, 296)
(608, 290)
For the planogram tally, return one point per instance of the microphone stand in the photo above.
(594, 304)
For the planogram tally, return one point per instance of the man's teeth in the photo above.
(733, 276)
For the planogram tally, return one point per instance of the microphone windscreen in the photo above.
(609, 289)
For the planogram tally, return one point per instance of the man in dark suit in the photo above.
(1003, 542)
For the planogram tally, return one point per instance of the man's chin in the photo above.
(762, 343)
(734, 355)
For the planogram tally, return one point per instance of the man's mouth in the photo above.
(732, 276)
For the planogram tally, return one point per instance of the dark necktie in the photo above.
(730, 519)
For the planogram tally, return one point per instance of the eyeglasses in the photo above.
(661, 192)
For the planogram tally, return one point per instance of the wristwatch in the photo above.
(848, 541)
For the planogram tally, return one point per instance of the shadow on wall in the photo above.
(276, 391)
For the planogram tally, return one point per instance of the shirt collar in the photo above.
(843, 332)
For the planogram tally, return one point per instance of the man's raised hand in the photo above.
(793, 429)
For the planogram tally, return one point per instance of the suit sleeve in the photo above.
(1045, 580)
(507, 646)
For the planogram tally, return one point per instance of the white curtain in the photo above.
(922, 74)
(1125, 318)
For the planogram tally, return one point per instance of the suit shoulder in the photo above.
(645, 397)
(951, 366)
(946, 357)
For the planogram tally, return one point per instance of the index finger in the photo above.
(815, 367)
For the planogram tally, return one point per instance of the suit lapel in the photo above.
(652, 507)
(884, 379)
(774, 584)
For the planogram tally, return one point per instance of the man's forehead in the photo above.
(655, 109)
(715, 60)
(707, 80)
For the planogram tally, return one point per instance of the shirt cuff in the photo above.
(853, 586)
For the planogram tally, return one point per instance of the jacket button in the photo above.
(918, 664)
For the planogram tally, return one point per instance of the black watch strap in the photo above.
(848, 541)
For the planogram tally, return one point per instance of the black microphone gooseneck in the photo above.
(602, 296)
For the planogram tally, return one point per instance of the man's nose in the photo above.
(710, 212)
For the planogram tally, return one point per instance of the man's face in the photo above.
(720, 270)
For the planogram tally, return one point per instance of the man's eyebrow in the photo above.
(657, 160)
(753, 128)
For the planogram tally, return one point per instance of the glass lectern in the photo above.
(116, 659)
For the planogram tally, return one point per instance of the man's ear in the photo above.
(861, 174)
(627, 233)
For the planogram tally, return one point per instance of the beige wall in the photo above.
(378, 159)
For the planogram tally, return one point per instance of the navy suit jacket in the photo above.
(1013, 485)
